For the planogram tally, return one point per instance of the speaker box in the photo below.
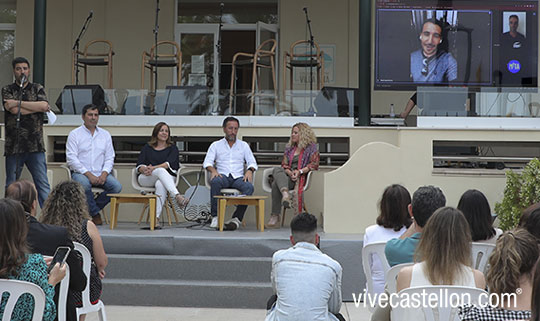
(73, 98)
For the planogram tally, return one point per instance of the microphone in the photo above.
(91, 14)
(222, 5)
(23, 80)
(305, 9)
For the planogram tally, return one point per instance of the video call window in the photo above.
(473, 43)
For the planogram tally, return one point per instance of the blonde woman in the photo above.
(67, 207)
(511, 272)
(301, 156)
(444, 256)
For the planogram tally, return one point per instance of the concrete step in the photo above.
(189, 268)
(171, 293)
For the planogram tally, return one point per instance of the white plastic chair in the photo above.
(480, 254)
(62, 296)
(268, 188)
(87, 306)
(377, 249)
(391, 277)
(454, 296)
(152, 190)
(17, 288)
(95, 190)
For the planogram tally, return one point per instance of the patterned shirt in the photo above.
(469, 312)
(33, 270)
(31, 126)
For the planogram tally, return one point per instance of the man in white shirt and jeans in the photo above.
(226, 160)
(90, 156)
(306, 282)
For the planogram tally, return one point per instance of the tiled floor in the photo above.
(130, 313)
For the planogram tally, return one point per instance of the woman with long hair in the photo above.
(67, 207)
(475, 206)
(393, 220)
(17, 263)
(530, 220)
(301, 156)
(158, 166)
(535, 300)
(511, 272)
(443, 255)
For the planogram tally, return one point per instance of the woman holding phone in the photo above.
(17, 263)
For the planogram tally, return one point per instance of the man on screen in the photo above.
(515, 39)
(431, 63)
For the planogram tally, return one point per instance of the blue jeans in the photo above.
(112, 185)
(218, 183)
(37, 166)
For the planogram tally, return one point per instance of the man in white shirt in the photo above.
(90, 156)
(226, 160)
(307, 282)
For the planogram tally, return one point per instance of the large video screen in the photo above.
(473, 43)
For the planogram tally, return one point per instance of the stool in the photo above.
(258, 201)
(117, 199)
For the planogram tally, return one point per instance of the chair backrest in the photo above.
(316, 54)
(450, 298)
(308, 181)
(106, 44)
(391, 276)
(17, 288)
(369, 251)
(266, 49)
(86, 264)
(265, 183)
(176, 53)
(480, 253)
(62, 296)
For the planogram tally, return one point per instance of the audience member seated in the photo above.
(530, 220)
(425, 201)
(158, 166)
(307, 282)
(17, 263)
(444, 253)
(66, 206)
(511, 268)
(392, 222)
(475, 206)
(231, 165)
(45, 239)
(535, 301)
(301, 157)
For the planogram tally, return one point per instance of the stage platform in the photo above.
(196, 266)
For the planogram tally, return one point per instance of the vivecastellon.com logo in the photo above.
(442, 298)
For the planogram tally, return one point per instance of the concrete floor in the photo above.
(131, 313)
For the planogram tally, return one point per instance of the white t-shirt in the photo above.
(377, 233)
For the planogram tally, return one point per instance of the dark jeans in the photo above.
(273, 299)
(218, 183)
(37, 166)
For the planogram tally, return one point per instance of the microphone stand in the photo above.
(156, 32)
(311, 46)
(76, 46)
(17, 131)
(218, 58)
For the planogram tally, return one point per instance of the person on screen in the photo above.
(430, 63)
(513, 39)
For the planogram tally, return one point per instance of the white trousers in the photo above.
(163, 182)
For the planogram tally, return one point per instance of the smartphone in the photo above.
(60, 256)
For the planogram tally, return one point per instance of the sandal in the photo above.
(286, 201)
(273, 222)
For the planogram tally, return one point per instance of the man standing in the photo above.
(226, 160)
(24, 145)
(429, 64)
(307, 282)
(90, 156)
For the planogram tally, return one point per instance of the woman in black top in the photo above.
(158, 166)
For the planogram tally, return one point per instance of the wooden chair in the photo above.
(94, 58)
(152, 190)
(17, 288)
(155, 60)
(305, 59)
(87, 306)
(268, 188)
(262, 58)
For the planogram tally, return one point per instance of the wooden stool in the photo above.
(223, 201)
(117, 199)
